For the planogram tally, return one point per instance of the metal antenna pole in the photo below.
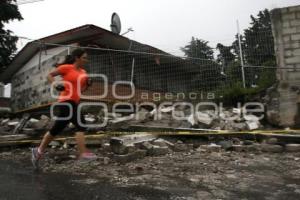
(241, 53)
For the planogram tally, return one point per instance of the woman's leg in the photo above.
(45, 141)
(80, 139)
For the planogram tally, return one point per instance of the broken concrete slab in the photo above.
(120, 145)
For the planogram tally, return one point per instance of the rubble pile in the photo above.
(128, 148)
(181, 117)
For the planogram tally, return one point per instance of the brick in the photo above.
(287, 31)
(295, 37)
(295, 22)
(288, 16)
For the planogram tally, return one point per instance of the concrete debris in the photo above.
(292, 147)
(168, 117)
(271, 148)
(210, 148)
(252, 125)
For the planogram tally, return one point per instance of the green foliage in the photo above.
(198, 48)
(225, 56)
(9, 12)
(259, 41)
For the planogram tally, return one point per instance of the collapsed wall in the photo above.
(284, 100)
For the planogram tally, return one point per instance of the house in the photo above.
(119, 58)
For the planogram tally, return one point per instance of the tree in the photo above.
(9, 12)
(198, 48)
(259, 41)
(225, 57)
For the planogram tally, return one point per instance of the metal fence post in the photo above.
(241, 53)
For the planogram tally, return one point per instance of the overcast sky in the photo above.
(165, 24)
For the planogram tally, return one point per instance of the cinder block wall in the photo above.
(286, 31)
(30, 87)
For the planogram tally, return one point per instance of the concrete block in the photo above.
(294, 9)
(286, 24)
(289, 16)
(294, 45)
(288, 31)
(295, 22)
(296, 52)
(292, 147)
(293, 60)
(270, 148)
(288, 53)
(286, 38)
(295, 37)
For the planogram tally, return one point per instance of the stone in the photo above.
(227, 145)
(252, 125)
(272, 141)
(138, 154)
(204, 118)
(253, 148)
(271, 148)
(238, 148)
(162, 143)
(54, 144)
(180, 147)
(248, 142)
(159, 151)
(251, 118)
(210, 148)
(292, 147)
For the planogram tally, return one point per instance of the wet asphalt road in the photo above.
(22, 183)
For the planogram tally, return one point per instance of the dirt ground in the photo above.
(190, 174)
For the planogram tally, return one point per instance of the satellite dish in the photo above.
(115, 23)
